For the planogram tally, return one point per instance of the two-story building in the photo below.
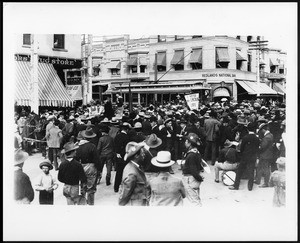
(56, 53)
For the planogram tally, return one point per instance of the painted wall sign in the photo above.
(221, 75)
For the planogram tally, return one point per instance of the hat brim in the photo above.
(132, 153)
(159, 142)
(46, 164)
(159, 164)
(22, 160)
(243, 123)
(66, 151)
(88, 136)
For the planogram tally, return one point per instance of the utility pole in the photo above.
(258, 46)
(155, 68)
(34, 78)
(89, 70)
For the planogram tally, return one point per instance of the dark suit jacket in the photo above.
(249, 148)
(266, 149)
(23, 187)
(134, 188)
(121, 141)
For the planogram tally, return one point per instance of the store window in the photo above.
(162, 38)
(26, 39)
(59, 42)
(143, 68)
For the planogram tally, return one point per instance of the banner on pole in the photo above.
(74, 92)
(192, 101)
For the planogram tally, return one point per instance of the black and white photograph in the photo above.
(150, 121)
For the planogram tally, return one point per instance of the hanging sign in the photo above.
(192, 101)
(74, 91)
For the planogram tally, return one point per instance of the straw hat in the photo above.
(46, 163)
(131, 149)
(137, 125)
(242, 120)
(163, 159)
(153, 141)
(20, 157)
(88, 133)
(69, 147)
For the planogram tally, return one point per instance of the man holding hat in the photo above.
(134, 187)
(23, 191)
(191, 169)
(88, 156)
(46, 183)
(265, 154)
(72, 174)
(166, 189)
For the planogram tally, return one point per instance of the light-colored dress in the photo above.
(278, 181)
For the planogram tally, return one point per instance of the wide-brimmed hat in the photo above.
(131, 149)
(242, 120)
(193, 138)
(163, 159)
(88, 133)
(105, 120)
(69, 146)
(153, 141)
(20, 157)
(46, 163)
(262, 119)
(79, 136)
(137, 125)
(261, 126)
(224, 99)
(125, 124)
(228, 143)
(89, 124)
(114, 120)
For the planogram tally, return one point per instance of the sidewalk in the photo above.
(212, 194)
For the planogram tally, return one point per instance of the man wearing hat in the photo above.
(248, 156)
(88, 156)
(46, 183)
(168, 136)
(166, 189)
(134, 187)
(265, 155)
(227, 158)
(191, 169)
(106, 153)
(114, 127)
(181, 131)
(278, 181)
(138, 135)
(71, 173)
(120, 143)
(23, 191)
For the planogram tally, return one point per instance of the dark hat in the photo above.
(182, 120)
(79, 136)
(131, 149)
(88, 133)
(263, 125)
(46, 163)
(242, 120)
(126, 125)
(153, 141)
(20, 157)
(69, 147)
(104, 128)
(262, 119)
(251, 126)
(153, 119)
(193, 138)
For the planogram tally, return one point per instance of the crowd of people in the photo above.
(143, 144)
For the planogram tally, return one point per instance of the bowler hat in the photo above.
(88, 133)
(46, 163)
(193, 138)
(131, 149)
(20, 157)
(153, 119)
(70, 146)
(153, 141)
(126, 125)
(163, 159)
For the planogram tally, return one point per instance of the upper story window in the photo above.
(162, 38)
(222, 57)
(161, 61)
(59, 42)
(196, 36)
(179, 37)
(238, 37)
(249, 62)
(196, 59)
(27, 39)
(178, 60)
(240, 58)
(249, 38)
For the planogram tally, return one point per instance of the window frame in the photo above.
(224, 65)
(26, 44)
(61, 47)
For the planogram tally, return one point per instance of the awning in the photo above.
(273, 62)
(240, 56)
(143, 61)
(96, 62)
(161, 59)
(132, 61)
(114, 65)
(262, 62)
(253, 88)
(221, 92)
(51, 90)
(279, 88)
(177, 58)
(281, 66)
(196, 56)
(222, 55)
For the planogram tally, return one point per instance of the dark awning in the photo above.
(196, 56)
(222, 55)
(177, 58)
(51, 90)
(161, 59)
(132, 61)
(114, 65)
(240, 56)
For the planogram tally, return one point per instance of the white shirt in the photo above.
(44, 181)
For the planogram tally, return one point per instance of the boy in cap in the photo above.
(278, 181)
(46, 183)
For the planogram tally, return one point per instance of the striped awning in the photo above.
(161, 59)
(132, 61)
(273, 62)
(196, 56)
(114, 65)
(253, 88)
(177, 58)
(51, 90)
(222, 55)
(240, 56)
(279, 88)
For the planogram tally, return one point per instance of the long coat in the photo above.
(134, 187)
(266, 149)
(23, 188)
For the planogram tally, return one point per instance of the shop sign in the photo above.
(74, 91)
(221, 75)
(50, 60)
(192, 101)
